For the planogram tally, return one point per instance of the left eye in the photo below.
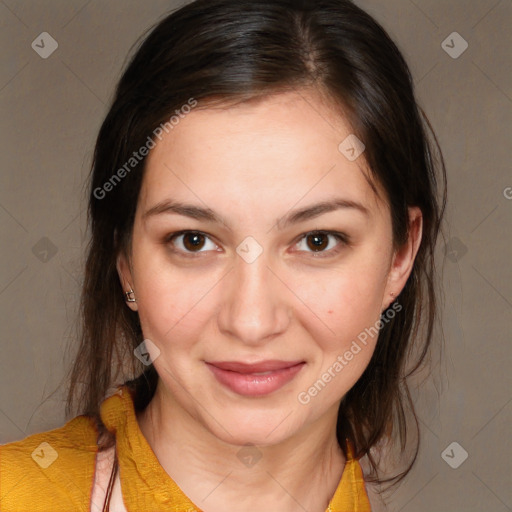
(318, 242)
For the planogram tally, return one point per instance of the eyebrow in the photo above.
(293, 217)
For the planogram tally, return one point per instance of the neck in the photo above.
(302, 471)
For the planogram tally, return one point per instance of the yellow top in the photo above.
(54, 470)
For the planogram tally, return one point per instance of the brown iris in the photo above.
(192, 241)
(317, 244)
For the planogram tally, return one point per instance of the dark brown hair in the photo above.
(239, 50)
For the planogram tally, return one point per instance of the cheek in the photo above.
(345, 335)
(342, 304)
(171, 301)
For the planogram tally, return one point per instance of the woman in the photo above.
(264, 214)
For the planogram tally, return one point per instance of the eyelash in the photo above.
(343, 238)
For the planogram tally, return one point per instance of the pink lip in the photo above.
(241, 379)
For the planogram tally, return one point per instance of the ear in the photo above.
(403, 258)
(125, 276)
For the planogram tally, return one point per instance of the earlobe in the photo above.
(125, 277)
(403, 258)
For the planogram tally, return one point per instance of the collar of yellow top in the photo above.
(155, 489)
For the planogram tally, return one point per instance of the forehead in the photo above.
(276, 152)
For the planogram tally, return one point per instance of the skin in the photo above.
(253, 164)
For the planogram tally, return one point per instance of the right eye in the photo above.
(188, 242)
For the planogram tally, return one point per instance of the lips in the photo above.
(264, 366)
(255, 379)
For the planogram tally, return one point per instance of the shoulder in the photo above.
(51, 470)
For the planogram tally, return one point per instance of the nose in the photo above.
(255, 307)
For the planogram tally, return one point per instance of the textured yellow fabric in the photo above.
(65, 485)
(69, 452)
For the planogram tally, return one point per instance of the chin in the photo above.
(260, 428)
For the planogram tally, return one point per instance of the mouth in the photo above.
(255, 379)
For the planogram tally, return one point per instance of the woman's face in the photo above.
(257, 283)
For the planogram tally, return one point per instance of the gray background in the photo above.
(52, 109)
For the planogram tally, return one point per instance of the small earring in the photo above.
(128, 294)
